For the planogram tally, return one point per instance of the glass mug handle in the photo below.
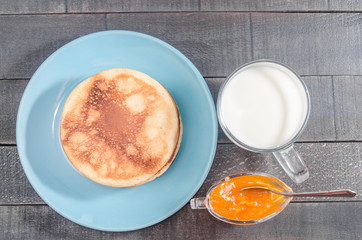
(292, 164)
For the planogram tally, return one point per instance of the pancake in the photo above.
(120, 128)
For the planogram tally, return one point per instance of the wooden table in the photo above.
(320, 39)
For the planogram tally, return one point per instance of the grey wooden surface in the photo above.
(336, 108)
(348, 104)
(320, 39)
(32, 6)
(216, 42)
(331, 165)
(260, 5)
(92, 6)
(280, 5)
(10, 95)
(132, 6)
(297, 222)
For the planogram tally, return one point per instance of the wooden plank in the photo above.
(331, 166)
(311, 43)
(263, 5)
(15, 187)
(31, 6)
(348, 101)
(320, 126)
(297, 221)
(214, 86)
(10, 95)
(345, 5)
(26, 41)
(132, 6)
(215, 42)
(321, 122)
(211, 41)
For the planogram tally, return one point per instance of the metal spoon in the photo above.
(334, 193)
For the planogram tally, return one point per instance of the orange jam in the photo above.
(251, 204)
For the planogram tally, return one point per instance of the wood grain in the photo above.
(297, 221)
(311, 43)
(132, 6)
(320, 126)
(26, 41)
(15, 187)
(263, 5)
(31, 6)
(331, 166)
(345, 5)
(281, 5)
(348, 98)
(215, 42)
(10, 95)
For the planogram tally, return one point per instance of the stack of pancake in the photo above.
(121, 128)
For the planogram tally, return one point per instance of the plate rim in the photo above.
(25, 161)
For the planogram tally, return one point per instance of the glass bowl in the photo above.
(205, 203)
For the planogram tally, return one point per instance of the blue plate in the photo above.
(75, 196)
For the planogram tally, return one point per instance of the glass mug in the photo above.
(263, 106)
(206, 202)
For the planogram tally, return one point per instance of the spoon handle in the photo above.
(337, 193)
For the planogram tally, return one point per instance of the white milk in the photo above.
(264, 105)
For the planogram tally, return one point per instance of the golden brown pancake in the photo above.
(120, 128)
